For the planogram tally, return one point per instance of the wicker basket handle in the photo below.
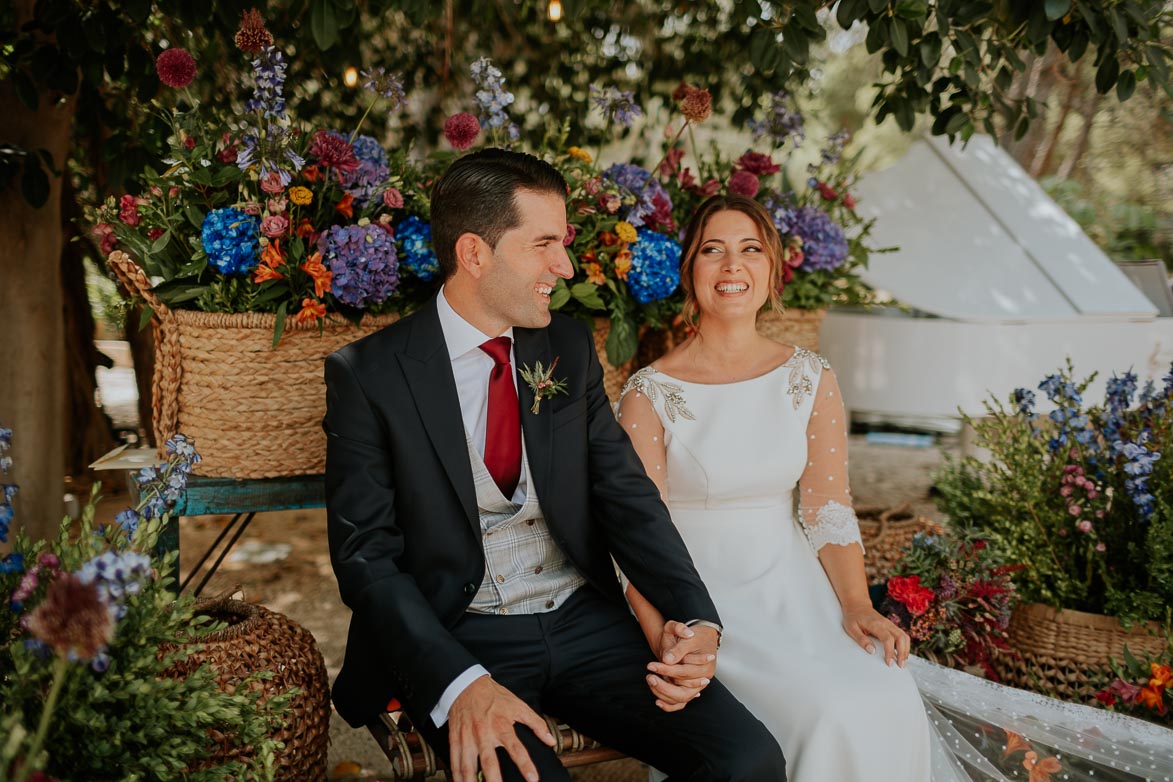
(886, 516)
(168, 366)
(135, 279)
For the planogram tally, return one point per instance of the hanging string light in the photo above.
(554, 10)
(350, 76)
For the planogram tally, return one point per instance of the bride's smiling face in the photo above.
(732, 271)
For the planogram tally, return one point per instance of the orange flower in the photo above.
(1153, 697)
(345, 207)
(622, 263)
(264, 273)
(1041, 770)
(305, 228)
(321, 276)
(1162, 676)
(271, 259)
(594, 273)
(311, 173)
(311, 310)
(1014, 743)
(608, 239)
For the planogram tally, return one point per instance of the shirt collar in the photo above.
(459, 335)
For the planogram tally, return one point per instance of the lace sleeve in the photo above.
(825, 503)
(637, 415)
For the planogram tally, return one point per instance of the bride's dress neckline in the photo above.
(787, 363)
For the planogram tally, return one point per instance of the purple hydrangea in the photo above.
(229, 237)
(824, 245)
(363, 261)
(650, 195)
(655, 267)
(368, 181)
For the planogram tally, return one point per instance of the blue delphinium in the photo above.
(12, 563)
(229, 237)
(415, 237)
(655, 267)
(269, 76)
(616, 105)
(118, 575)
(781, 123)
(824, 245)
(1025, 400)
(161, 486)
(267, 142)
(363, 261)
(646, 189)
(7, 490)
(492, 97)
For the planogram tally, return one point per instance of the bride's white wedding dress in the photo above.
(757, 484)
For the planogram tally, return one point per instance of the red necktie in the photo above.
(503, 429)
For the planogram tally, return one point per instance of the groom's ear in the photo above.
(471, 254)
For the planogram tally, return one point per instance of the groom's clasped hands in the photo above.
(687, 663)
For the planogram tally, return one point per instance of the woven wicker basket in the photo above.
(255, 640)
(613, 377)
(1064, 653)
(793, 327)
(887, 534)
(253, 411)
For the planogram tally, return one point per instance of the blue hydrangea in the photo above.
(229, 237)
(364, 263)
(646, 189)
(12, 563)
(415, 238)
(118, 575)
(655, 267)
(369, 180)
(824, 245)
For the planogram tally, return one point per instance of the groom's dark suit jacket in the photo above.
(404, 529)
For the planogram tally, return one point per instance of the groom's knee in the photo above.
(756, 758)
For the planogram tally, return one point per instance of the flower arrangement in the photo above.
(85, 690)
(262, 213)
(1143, 688)
(953, 598)
(1082, 494)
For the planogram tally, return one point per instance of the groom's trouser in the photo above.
(586, 664)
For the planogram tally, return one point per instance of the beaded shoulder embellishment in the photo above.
(801, 385)
(673, 395)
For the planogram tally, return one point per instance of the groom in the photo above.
(473, 517)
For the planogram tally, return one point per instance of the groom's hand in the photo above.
(688, 661)
(481, 719)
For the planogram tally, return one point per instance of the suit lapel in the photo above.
(531, 346)
(428, 369)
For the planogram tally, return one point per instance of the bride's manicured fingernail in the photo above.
(711, 657)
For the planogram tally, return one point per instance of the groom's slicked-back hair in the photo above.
(476, 195)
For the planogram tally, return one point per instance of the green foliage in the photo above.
(140, 718)
(1082, 496)
(1126, 230)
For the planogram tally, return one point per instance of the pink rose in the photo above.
(277, 205)
(392, 198)
(592, 186)
(107, 241)
(251, 208)
(1084, 526)
(271, 183)
(128, 210)
(610, 202)
(275, 226)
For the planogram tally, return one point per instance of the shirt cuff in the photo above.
(706, 623)
(439, 713)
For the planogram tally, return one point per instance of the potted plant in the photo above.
(1083, 498)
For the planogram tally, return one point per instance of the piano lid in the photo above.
(980, 240)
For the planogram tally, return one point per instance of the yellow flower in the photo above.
(626, 231)
(302, 196)
(580, 153)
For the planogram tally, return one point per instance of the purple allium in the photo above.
(363, 261)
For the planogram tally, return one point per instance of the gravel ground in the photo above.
(283, 563)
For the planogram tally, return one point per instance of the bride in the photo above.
(747, 441)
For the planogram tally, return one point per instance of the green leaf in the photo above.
(876, 6)
(622, 341)
(1057, 9)
(1088, 17)
(1119, 24)
(900, 37)
(1125, 85)
(1107, 74)
(324, 24)
(764, 51)
(34, 182)
(25, 89)
(587, 294)
(1156, 62)
(930, 50)
(279, 324)
(194, 215)
(848, 12)
(559, 296)
(161, 243)
(144, 317)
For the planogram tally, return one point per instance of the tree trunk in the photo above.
(32, 351)
(1045, 155)
(1088, 112)
(89, 433)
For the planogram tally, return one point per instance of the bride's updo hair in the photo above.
(695, 231)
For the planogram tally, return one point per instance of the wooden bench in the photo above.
(412, 758)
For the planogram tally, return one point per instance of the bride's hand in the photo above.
(866, 626)
(687, 663)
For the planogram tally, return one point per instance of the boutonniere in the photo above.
(541, 381)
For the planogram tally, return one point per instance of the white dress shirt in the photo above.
(471, 367)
